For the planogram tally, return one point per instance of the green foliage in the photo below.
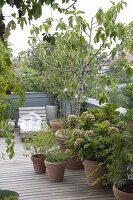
(11, 108)
(72, 121)
(7, 84)
(40, 142)
(9, 198)
(9, 138)
(26, 11)
(58, 60)
(70, 55)
(128, 92)
(30, 80)
(86, 120)
(110, 113)
(120, 160)
(56, 156)
(64, 134)
(92, 140)
(116, 96)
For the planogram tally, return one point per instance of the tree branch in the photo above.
(94, 55)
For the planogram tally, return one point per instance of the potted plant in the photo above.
(91, 142)
(38, 144)
(88, 145)
(120, 161)
(63, 135)
(55, 163)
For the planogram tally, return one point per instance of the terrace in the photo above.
(18, 174)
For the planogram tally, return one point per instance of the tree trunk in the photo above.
(79, 93)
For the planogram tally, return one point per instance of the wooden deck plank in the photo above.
(18, 174)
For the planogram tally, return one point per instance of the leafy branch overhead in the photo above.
(27, 11)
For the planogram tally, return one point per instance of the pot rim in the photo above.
(115, 188)
(55, 163)
(37, 156)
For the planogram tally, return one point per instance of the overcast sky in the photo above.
(19, 38)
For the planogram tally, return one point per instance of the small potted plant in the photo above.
(62, 137)
(63, 134)
(38, 144)
(55, 162)
(120, 161)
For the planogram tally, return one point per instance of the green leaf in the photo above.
(100, 16)
(37, 10)
(129, 71)
(2, 3)
(84, 26)
(97, 36)
(113, 52)
(103, 98)
(74, 46)
(79, 19)
(22, 21)
(80, 12)
(113, 3)
(82, 39)
(52, 40)
(70, 19)
(103, 37)
(12, 24)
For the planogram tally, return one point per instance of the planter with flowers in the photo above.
(37, 145)
(55, 162)
(88, 145)
(63, 135)
(92, 140)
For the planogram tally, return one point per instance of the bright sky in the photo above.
(19, 38)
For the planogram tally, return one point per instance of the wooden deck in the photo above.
(18, 175)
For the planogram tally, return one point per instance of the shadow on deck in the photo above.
(18, 175)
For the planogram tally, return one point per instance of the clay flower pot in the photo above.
(56, 125)
(55, 171)
(74, 164)
(94, 173)
(61, 140)
(38, 164)
(120, 195)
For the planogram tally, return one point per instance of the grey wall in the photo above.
(36, 99)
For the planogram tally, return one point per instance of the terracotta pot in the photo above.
(56, 125)
(120, 195)
(74, 164)
(61, 141)
(38, 164)
(94, 172)
(55, 171)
